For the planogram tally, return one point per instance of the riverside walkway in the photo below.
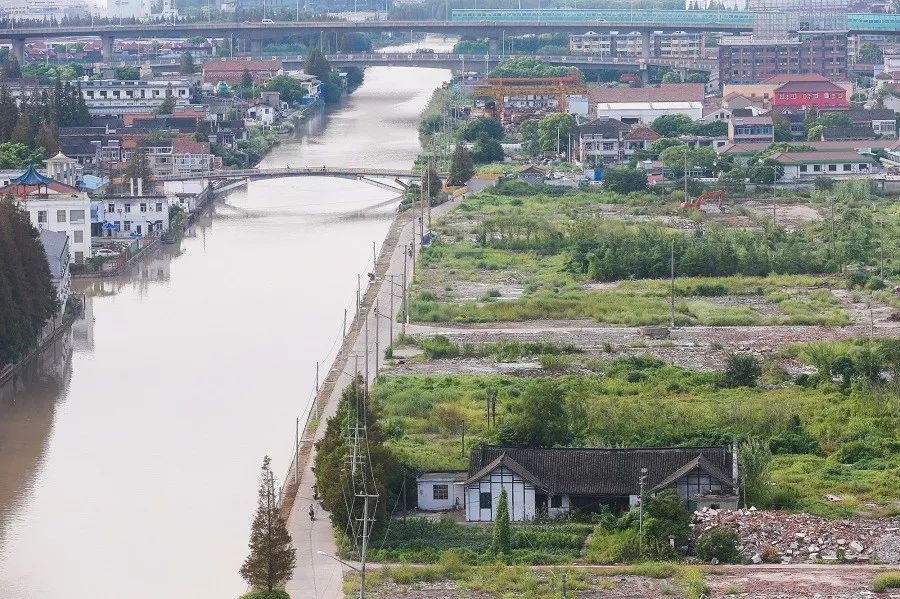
(318, 576)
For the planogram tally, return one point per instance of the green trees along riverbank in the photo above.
(26, 294)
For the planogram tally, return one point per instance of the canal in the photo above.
(130, 452)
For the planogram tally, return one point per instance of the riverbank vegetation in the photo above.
(582, 253)
(27, 299)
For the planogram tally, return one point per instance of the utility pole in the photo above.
(374, 258)
(377, 328)
(641, 513)
(672, 278)
(297, 450)
(366, 317)
(405, 298)
(882, 248)
(774, 188)
(391, 316)
(833, 251)
(358, 294)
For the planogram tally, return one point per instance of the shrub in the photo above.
(721, 544)
(770, 555)
(438, 347)
(886, 580)
(273, 594)
(710, 290)
(611, 547)
(741, 370)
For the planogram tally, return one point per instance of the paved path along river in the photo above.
(129, 455)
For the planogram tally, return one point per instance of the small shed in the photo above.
(441, 491)
(532, 174)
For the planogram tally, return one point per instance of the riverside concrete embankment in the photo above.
(320, 576)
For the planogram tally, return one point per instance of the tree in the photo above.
(671, 77)
(187, 64)
(431, 124)
(665, 516)
(502, 533)
(540, 418)
(11, 68)
(623, 179)
(754, 458)
(699, 77)
(871, 53)
(27, 299)
(332, 88)
(246, 80)
(657, 146)
(289, 90)
(128, 73)
(316, 64)
(531, 137)
(487, 150)
(672, 125)
(431, 182)
(461, 166)
(766, 172)
(719, 543)
(782, 129)
(137, 167)
(554, 130)
(481, 127)
(333, 478)
(167, 106)
(479, 47)
(272, 557)
(741, 370)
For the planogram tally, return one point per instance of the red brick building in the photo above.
(803, 94)
(231, 70)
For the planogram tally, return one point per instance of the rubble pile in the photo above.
(799, 538)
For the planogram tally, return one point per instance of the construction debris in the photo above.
(803, 538)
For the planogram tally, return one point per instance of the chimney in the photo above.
(131, 181)
(140, 186)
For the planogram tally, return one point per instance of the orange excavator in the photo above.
(717, 195)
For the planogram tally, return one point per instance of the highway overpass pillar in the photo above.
(256, 47)
(106, 47)
(18, 49)
(645, 44)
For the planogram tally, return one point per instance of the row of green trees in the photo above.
(26, 294)
(34, 122)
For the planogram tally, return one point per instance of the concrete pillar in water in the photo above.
(106, 47)
(18, 49)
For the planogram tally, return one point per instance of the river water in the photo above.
(130, 452)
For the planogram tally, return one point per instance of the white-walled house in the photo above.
(552, 482)
(799, 166)
(134, 215)
(55, 206)
(441, 491)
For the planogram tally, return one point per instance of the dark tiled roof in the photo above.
(830, 133)
(862, 115)
(609, 128)
(598, 472)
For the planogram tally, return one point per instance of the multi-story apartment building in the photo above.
(135, 215)
(662, 45)
(749, 59)
(117, 96)
(179, 155)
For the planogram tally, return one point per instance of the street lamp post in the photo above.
(641, 480)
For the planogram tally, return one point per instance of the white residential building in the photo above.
(800, 166)
(134, 215)
(55, 206)
(441, 491)
(118, 96)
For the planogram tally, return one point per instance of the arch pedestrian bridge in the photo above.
(342, 172)
(364, 175)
